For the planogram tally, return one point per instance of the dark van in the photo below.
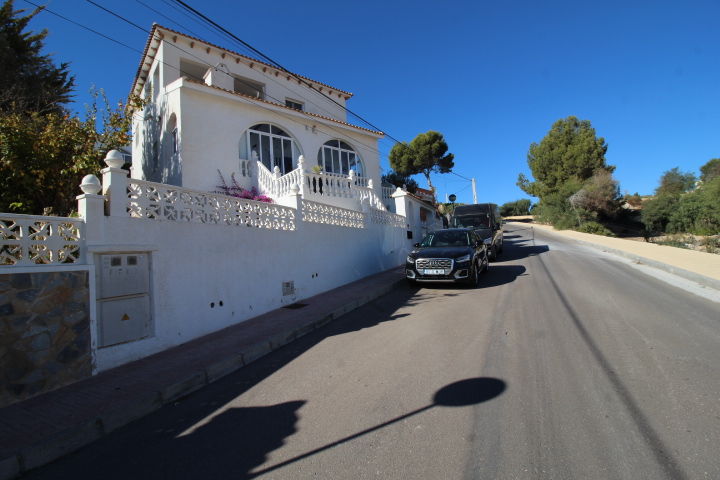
(485, 219)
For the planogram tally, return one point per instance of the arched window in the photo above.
(271, 145)
(338, 157)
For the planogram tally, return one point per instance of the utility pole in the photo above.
(474, 191)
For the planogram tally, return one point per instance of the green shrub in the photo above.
(557, 210)
(656, 212)
(516, 208)
(679, 241)
(711, 244)
(695, 212)
(595, 229)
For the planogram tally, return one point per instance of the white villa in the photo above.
(159, 257)
(212, 109)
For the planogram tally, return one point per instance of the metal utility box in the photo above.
(124, 319)
(124, 307)
(123, 274)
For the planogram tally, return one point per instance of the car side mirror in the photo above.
(416, 245)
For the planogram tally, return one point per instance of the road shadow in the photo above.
(204, 435)
(517, 247)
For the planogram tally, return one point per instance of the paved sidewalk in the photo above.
(37, 431)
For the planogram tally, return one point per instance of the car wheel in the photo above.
(412, 283)
(486, 268)
(500, 250)
(474, 278)
(492, 254)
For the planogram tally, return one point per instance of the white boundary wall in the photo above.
(216, 261)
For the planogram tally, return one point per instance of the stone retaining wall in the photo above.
(44, 332)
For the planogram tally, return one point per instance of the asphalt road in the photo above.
(566, 363)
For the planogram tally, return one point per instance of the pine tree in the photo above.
(427, 153)
(570, 151)
(30, 82)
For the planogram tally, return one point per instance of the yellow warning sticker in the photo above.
(125, 317)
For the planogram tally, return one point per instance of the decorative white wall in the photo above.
(218, 260)
(214, 261)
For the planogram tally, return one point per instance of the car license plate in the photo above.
(433, 271)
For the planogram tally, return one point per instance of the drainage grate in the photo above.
(295, 306)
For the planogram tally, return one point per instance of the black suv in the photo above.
(485, 219)
(451, 255)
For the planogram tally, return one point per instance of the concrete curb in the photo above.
(78, 436)
(686, 274)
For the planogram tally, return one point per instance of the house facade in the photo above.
(215, 110)
(158, 257)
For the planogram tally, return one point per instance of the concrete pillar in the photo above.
(115, 185)
(303, 177)
(91, 210)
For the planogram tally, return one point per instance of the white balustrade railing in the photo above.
(38, 240)
(246, 167)
(266, 180)
(275, 185)
(165, 202)
(330, 215)
(317, 185)
(328, 184)
(359, 181)
(387, 192)
(368, 195)
(383, 217)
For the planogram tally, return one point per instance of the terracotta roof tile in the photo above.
(164, 30)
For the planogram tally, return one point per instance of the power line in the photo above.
(372, 149)
(168, 18)
(83, 26)
(279, 66)
(367, 147)
(197, 35)
(468, 179)
(116, 15)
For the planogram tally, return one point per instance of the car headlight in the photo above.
(464, 258)
(487, 241)
(410, 259)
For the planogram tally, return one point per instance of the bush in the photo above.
(595, 229)
(695, 212)
(600, 195)
(235, 190)
(557, 210)
(711, 244)
(656, 212)
(516, 208)
(634, 201)
(679, 241)
(43, 158)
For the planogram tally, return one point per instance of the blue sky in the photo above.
(491, 76)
